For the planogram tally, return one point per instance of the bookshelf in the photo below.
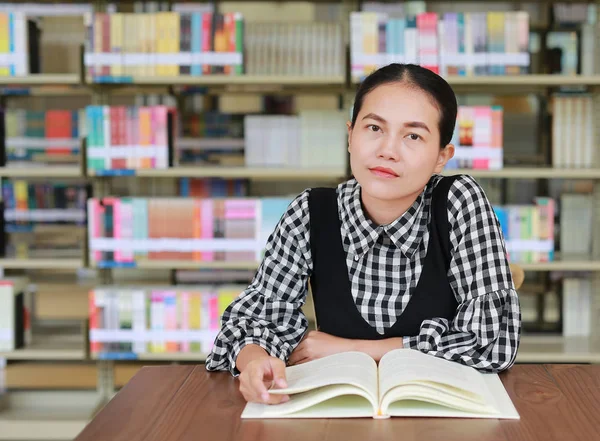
(27, 424)
(55, 264)
(42, 80)
(41, 172)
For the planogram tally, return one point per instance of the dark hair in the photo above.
(426, 80)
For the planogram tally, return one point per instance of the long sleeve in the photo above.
(267, 312)
(485, 330)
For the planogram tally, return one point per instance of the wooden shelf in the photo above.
(191, 265)
(535, 81)
(168, 356)
(41, 264)
(41, 172)
(563, 265)
(530, 173)
(558, 349)
(59, 415)
(41, 80)
(256, 173)
(47, 352)
(525, 80)
(234, 83)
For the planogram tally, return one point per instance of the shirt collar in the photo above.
(362, 233)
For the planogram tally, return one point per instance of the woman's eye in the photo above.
(414, 137)
(374, 128)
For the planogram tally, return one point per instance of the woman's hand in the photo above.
(318, 344)
(258, 376)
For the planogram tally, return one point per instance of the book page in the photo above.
(403, 366)
(337, 401)
(495, 394)
(350, 368)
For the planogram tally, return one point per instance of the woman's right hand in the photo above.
(259, 375)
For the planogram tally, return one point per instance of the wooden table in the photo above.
(556, 402)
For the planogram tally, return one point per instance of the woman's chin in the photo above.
(383, 190)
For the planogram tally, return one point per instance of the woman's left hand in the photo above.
(318, 344)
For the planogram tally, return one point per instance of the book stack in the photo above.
(573, 142)
(41, 137)
(312, 139)
(126, 231)
(576, 307)
(576, 224)
(528, 230)
(466, 44)
(211, 138)
(38, 219)
(19, 45)
(477, 138)
(121, 46)
(129, 322)
(298, 49)
(15, 308)
(212, 188)
(121, 139)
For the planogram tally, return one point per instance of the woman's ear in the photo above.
(444, 155)
(349, 128)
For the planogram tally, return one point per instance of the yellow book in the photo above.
(172, 31)
(150, 43)
(116, 42)
(160, 40)
(4, 42)
(139, 70)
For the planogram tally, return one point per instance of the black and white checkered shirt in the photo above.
(384, 264)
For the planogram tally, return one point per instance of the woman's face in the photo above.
(395, 143)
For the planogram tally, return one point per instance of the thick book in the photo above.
(407, 383)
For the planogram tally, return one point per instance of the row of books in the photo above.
(311, 49)
(14, 44)
(42, 136)
(573, 141)
(528, 230)
(213, 188)
(122, 137)
(466, 44)
(478, 139)
(125, 231)
(313, 138)
(123, 45)
(126, 322)
(27, 203)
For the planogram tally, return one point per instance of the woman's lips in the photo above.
(384, 172)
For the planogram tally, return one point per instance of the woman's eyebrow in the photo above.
(375, 117)
(417, 125)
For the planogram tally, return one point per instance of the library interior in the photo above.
(148, 149)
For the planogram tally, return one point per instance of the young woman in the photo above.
(398, 256)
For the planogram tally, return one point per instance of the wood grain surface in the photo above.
(132, 413)
(171, 403)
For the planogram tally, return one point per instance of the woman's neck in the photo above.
(385, 211)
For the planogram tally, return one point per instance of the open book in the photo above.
(406, 383)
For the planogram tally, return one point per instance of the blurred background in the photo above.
(148, 149)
